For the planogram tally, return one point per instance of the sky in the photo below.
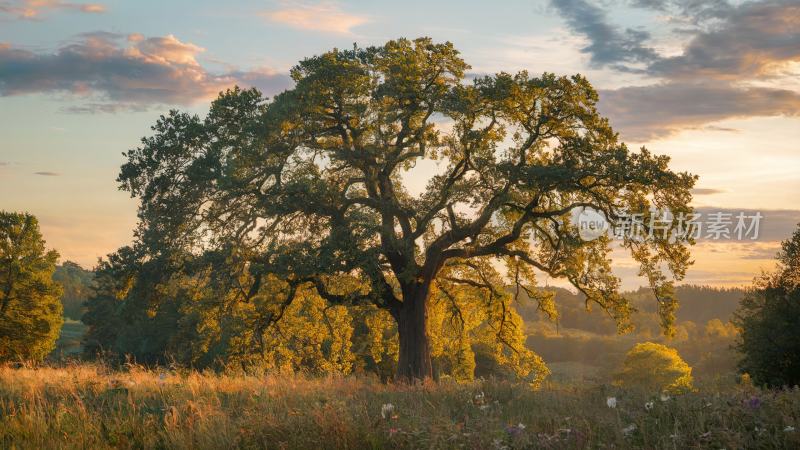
(714, 84)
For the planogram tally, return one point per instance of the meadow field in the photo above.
(90, 406)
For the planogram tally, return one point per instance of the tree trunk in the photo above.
(414, 362)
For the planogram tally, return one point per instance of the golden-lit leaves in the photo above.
(656, 367)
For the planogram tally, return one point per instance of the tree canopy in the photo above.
(30, 310)
(769, 322)
(76, 283)
(319, 188)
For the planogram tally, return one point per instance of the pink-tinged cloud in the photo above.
(33, 9)
(122, 72)
(324, 16)
(753, 40)
(732, 44)
(642, 113)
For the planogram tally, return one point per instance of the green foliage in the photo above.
(76, 282)
(199, 321)
(769, 321)
(655, 367)
(30, 311)
(309, 188)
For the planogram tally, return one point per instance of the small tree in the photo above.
(30, 309)
(768, 319)
(311, 188)
(655, 367)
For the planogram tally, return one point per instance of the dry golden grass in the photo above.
(89, 406)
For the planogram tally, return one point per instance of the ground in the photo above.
(91, 406)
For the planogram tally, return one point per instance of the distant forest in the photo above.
(704, 334)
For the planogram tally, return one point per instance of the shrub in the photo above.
(657, 367)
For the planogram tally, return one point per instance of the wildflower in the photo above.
(386, 410)
(479, 397)
(515, 430)
(649, 405)
(754, 402)
(629, 429)
(393, 431)
(483, 407)
(664, 397)
(498, 444)
(788, 429)
(611, 402)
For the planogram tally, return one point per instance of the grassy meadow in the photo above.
(90, 406)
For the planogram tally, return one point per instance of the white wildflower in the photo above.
(386, 410)
(649, 405)
(611, 402)
(664, 397)
(498, 444)
(629, 429)
(521, 426)
(788, 429)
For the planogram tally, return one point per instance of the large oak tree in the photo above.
(321, 187)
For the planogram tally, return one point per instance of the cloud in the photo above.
(642, 113)
(47, 174)
(775, 225)
(730, 46)
(123, 72)
(33, 9)
(104, 108)
(607, 43)
(694, 11)
(751, 40)
(754, 40)
(323, 16)
(768, 251)
(719, 128)
(706, 191)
